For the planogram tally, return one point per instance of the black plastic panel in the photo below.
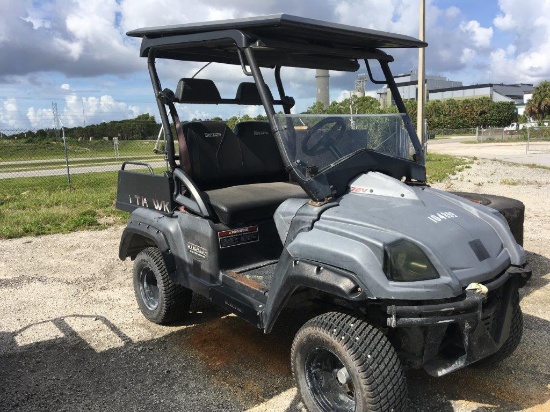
(150, 191)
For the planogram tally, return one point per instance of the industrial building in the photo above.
(440, 88)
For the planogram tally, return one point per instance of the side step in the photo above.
(241, 296)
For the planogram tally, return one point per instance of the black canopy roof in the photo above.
(278, 40)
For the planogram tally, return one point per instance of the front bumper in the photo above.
(483, 323)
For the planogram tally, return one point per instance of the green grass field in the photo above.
(17, 150)
(44, 205)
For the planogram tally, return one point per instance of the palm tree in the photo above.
(538, 107)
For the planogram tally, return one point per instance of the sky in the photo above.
(75, 53)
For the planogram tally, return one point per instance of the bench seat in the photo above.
(252, 202)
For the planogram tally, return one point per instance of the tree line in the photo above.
(142, 127)
(440, 114)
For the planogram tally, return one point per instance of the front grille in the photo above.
(491, 310)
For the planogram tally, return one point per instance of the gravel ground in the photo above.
(72, 338)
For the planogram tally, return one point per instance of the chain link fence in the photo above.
(535, 138)
(23, 154)
(28, 154)
(499, 134)
(538, 139)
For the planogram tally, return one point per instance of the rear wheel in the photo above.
(341, 363)
(159, 299)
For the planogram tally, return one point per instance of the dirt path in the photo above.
(72, 338)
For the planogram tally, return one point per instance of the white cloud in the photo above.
(467, 55)
(78, 37)
(40, 118)
(452, 12)
(66, 86)
(527, 59)
(10, 117)
(89, 110)
(481, 36)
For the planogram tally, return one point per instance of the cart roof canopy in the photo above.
(277, 40)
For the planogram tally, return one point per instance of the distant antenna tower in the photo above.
(56, 121)
(83, 115)
(61, 132)
(360, 83)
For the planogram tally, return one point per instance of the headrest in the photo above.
(248, 93)
(197, 91)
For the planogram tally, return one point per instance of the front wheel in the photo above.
(341, 363)
(159, 299)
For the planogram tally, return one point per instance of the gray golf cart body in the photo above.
(314, 207)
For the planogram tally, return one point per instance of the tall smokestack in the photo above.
(322, 81)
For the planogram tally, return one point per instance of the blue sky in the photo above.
(75, 52)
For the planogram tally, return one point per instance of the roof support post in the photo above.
(162, 109)
(421, 90)
(402, 109)
(268, 104)
(260, 83)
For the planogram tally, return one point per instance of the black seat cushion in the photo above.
(253, 202)
(261, 158)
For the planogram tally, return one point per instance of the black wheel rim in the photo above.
(148, 288)
(322, 367)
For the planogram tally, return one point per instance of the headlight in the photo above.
(406, 262)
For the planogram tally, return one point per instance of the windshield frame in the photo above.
(331, 183)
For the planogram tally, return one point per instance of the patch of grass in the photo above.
(496, 140)
(510, 182)
(532, 166)
(44, 205)
(439, 166)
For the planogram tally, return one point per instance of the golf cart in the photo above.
(302, 208)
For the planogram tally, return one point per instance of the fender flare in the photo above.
(292, 274)
(137, 236)
(512, 209)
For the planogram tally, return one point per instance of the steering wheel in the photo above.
(328, 138)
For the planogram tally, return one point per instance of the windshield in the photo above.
(316, 143)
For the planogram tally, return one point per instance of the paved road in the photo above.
(73, 170)
(515, 152)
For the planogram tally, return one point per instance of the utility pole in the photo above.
(421, 90)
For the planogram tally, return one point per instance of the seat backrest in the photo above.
(261, 158)
(215, 154)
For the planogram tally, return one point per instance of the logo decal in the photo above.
(197, 250)
(440, 216)
(360, 189)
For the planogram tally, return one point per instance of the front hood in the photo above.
(470, 241)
